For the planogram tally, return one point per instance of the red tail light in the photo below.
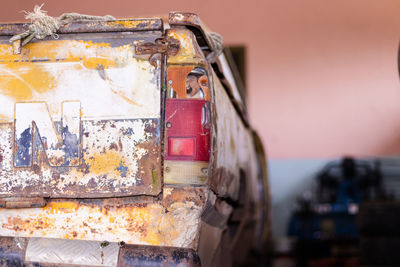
(187, 124)
(181, 146)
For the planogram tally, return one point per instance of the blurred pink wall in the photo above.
(322, 75)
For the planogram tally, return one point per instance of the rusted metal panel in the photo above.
(189, 52)
(193, 22)
(12, 251)
(80, 118)
(173, 221)
(168, 46)
(123, 25)
(157, 256)
(232, 147)
(21, 202)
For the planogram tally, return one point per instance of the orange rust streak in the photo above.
(133, 219)
(124, 97)
(163, 223)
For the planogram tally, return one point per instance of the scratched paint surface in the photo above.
(189, 51)
(174, 221)
(79, 118)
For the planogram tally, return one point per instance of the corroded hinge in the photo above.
(169, 46)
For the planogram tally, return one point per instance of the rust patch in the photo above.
(131, 255)
(92, 26)
(12, 251)
(173, 221)
(169, 46)
(195, 194)
(220, 181)
(193, 21)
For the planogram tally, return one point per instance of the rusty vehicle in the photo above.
(123, 143)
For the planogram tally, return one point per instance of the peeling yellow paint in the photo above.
(3, 118)
(21, 80)
(188, 52)
(107, 162)
(66, 50)
(95, 63)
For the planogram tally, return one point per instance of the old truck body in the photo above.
(109, 157)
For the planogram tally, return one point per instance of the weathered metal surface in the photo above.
(232, 148)
(185, 172)
(189, 52)
(93, 26)
(193, 22)
(21, 202)
(157, 256)
(12, 251)
(225, 75)
(169, 46)
(80, 118)
(173, 221)
(77, 252)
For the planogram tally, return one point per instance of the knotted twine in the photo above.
(44, 25)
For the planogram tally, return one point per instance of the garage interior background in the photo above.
(322, 77)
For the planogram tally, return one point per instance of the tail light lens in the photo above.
(187, 124)
(181, 146)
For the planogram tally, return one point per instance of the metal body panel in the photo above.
(58, 251)
(14, 252)
(189, 52)
(84, 117)
(173, 221)
(123, 25)
(157, 256)
(232, 148)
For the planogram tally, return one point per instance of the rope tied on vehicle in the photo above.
(218, 46)
(44, 25)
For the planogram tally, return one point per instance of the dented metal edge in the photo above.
(193, 22)
(123, 25)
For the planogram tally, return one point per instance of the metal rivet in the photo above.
(170, 82)
(169, 125)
